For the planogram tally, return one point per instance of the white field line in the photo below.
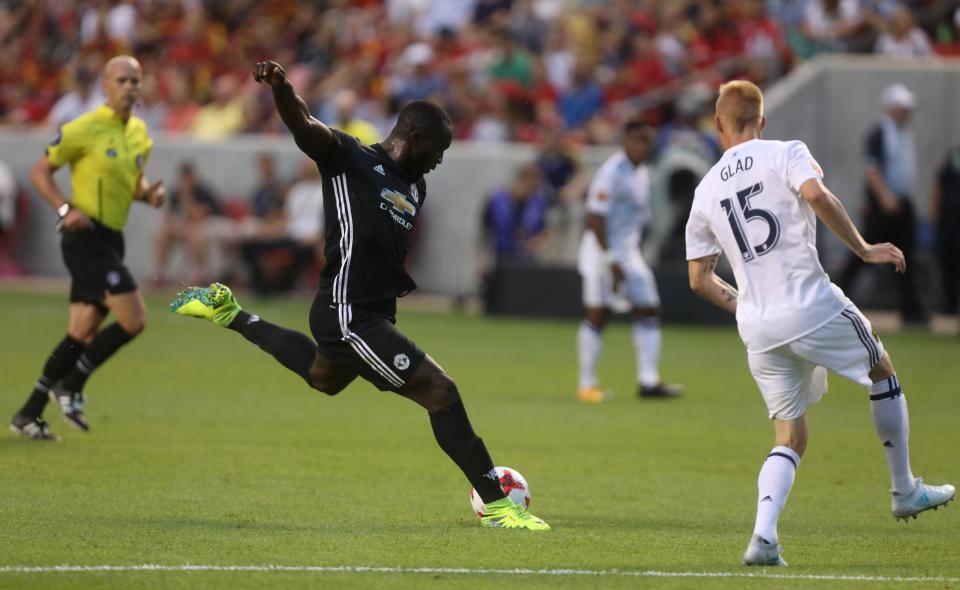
(360, 569)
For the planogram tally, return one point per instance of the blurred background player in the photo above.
(758, 206)
(615, 276)
(107, 150)
(372, 196)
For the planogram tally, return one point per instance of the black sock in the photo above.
(456, 437)
(105, 343)
(292, 349)
(58, 364)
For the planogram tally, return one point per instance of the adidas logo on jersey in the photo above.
(379, 168)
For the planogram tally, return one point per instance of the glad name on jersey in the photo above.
(730, 169)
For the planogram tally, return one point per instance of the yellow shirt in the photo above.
(106, 160)
(364, 131)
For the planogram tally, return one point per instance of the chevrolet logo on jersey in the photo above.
(398, 201)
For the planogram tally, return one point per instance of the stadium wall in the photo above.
(828, 103)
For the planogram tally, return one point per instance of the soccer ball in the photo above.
(514, 486)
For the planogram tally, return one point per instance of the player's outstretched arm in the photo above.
(313, 137)
(705, 283)
(831, 212)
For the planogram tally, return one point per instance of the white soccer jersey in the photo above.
(620, 192)
(749, 207)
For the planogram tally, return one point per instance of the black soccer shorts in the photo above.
(365, 339)
(94, 258)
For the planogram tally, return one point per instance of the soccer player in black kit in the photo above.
(371, 196)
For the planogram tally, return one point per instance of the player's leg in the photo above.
(640, 288)
(294, 350)
(131, 312)
(597, 293)
(433, 389)
(784, 381)
(848, 346)
(589, 346)
(84, 319)
(891, 420)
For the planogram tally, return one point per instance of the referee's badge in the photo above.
(401, 361)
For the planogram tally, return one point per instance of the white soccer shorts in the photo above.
(792, 376)
(638, 289)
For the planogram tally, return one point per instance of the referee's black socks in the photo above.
(105, 343)
(456, 437)
(292, 349)
(58, 364)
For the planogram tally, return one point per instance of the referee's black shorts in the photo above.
(365, 338)
(94, 258)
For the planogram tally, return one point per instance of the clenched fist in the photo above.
(269, 72)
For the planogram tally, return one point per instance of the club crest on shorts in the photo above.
(113, 278)
(401, 361)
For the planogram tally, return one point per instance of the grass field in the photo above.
(203, 451)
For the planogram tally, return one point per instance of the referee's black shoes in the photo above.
(35, 428)
(71, 406)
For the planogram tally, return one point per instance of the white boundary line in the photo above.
(360, 569)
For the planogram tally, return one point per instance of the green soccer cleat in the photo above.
(215, 303)
(505, 514)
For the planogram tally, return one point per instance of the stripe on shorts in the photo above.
(864, 335)
(363, 350)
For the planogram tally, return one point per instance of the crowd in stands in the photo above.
(507, 70)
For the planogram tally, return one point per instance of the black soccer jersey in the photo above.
(370, 207)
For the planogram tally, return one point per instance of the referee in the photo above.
(107, 150)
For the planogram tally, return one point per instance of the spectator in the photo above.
(345, 103)
(108, 22)
(902, 38)
(192, 205)
(945, 212)
(583, 100)
(267, 198)
(224, 115)
(85, 97)
(559, 166)
(9, 196)
(182, 108)
(891, 157)
(281, 248)
(558, 58)
(516, 216)
(948, 35)
(512, 63)
(416, 80)
(831, 25)
(151, 108)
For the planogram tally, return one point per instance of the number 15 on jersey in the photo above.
(749, 214)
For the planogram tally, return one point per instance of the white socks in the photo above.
(773, 487)
(589, 345)
(646, 342)
(892, 423)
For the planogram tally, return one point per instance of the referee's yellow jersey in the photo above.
(106, 160)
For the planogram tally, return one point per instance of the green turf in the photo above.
(204, 451)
